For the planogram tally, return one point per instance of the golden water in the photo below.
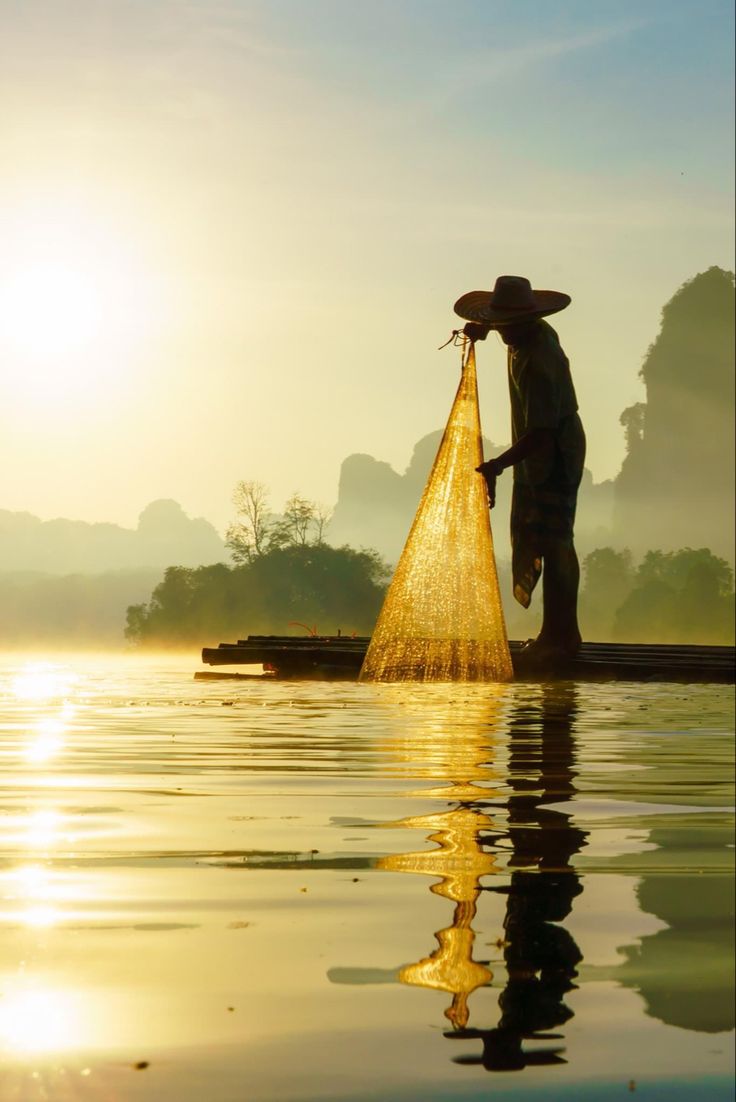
(313, 892)
(442, 619)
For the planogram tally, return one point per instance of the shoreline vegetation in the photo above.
(669, 597)
(685, 596)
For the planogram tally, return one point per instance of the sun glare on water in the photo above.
(42, 682)
(36, 1019)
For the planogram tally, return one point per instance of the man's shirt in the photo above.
(543, 397)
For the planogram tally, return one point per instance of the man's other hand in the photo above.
(490, 470)
(490, 478)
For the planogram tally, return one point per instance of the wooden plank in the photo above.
(220, 675)
(338, 656)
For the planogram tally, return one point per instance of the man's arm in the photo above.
(533, 441)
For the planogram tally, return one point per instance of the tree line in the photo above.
(684, 596)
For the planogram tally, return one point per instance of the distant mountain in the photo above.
(376, 505)
(165, 536)
(676, 486)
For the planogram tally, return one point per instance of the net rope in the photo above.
(442, 619)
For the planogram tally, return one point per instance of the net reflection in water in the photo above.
(442, 619)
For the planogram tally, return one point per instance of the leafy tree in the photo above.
(330, 587)
(646, 615)
(675, 568)
(322, 517)
(249, 535)
(684, 596)
(608, 577)
(632, 420)
(257, 530)
(299, 526)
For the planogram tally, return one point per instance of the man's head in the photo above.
(515, 334)
(519, 333)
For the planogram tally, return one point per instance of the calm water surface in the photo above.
(249, 891)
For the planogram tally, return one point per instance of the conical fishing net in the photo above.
(442, 618)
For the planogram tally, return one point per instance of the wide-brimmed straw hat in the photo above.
(511, 300)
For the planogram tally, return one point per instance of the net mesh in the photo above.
(442, 618)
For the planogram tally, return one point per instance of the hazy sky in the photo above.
(231, 232)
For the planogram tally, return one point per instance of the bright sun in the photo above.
(50, 308)
(77, 301)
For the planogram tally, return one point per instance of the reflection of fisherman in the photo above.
(541, 957)
(547, 453)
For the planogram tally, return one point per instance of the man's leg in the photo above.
(560, 583)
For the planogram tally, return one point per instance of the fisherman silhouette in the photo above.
(547, 455)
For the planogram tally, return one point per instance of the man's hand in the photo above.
(476, 331)
(492, 467)
(490, 470)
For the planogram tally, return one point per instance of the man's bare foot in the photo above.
(545, 651)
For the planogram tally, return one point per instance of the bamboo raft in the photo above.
(325, 658)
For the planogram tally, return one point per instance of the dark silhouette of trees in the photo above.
(608, 577)
(632, 420)
(682, 596)
(329, 587)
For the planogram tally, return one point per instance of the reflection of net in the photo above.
(455, 747)
(442, 619)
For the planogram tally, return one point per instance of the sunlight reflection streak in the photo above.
(39, 1020)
